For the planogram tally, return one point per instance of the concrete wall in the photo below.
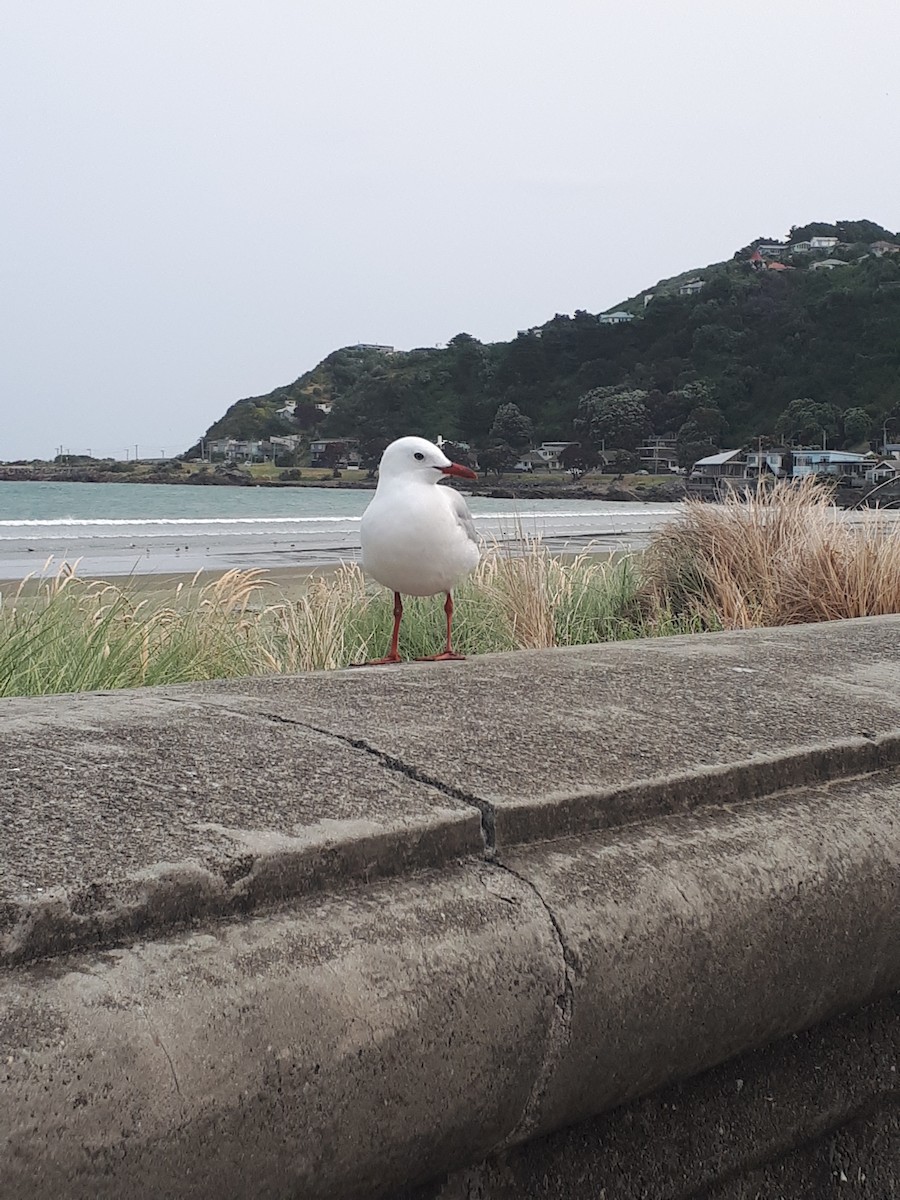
(617, 921)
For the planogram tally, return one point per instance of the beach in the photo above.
(115, 530)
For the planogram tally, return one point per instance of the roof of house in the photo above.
(714, 460)
(833, 455)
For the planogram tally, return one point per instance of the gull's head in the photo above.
(414, 458)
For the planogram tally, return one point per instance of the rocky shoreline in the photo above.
(648, 493)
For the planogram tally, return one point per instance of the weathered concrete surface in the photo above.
(620, 868)
(125, 812)
(159, 808)
(550, 742)
(745, 928)
(337, 1050)
(784, 1121)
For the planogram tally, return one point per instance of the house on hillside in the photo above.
(547, 455)
(829, 462)
(530, 461)
(287, 409)
(882, 470)
(690, 287)
(287, 441)
(659, 455)
(828, 264)
(716, 469)
(759, 263)
(620, 317)
(822, 243)
(372, 346)
(800, 247)
(774, 463)
(772, 249)
(335, 452)
(238, 449)
(884, 247)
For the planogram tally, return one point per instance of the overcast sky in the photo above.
(202, 198)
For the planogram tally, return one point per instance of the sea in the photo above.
(112, 529)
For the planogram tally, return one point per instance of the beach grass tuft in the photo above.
(781, 556)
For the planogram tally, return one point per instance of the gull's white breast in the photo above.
(413, 540)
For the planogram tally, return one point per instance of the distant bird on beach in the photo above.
(418, 539)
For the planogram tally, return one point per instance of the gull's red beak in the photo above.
(459, 471)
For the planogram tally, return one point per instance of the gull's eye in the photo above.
(419, 455)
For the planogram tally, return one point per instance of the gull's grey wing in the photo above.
(462, 514)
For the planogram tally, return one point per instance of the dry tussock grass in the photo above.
(777, 557)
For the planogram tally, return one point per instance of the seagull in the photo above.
(418, 539)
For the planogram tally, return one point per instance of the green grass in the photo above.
(68, 634)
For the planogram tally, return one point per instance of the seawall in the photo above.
(615, 921)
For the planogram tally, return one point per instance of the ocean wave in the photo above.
(203, 522)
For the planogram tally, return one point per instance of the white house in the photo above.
(887, 468)
(616, 318)
(659, 453)
(801, 247)
(287, 409)
(884, 247)
(822, 243)
(829, 462)
(690, 287)
(288, 441)
(237, 449)
(768, 462)
(828, 264)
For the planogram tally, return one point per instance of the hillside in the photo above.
(717, 353)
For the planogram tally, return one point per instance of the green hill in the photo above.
(719, 364)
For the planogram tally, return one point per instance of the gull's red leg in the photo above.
(393, 655)
(448, 655)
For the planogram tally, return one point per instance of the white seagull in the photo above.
(418, 539)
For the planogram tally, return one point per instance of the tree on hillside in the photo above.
(370, 452)
(857, 425)
(613, 417)
(579, 458)
(512, 427)
(497, 459)
(805, 421)
(690, 452)
(306, 415)
(457, 454)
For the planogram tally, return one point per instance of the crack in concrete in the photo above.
(560, 1027)
(390, 761)
(157, 1041)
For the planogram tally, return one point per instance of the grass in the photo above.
(68, 634)
(782, 557)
